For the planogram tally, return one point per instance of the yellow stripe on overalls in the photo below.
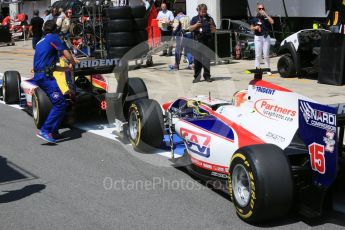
(61, 78)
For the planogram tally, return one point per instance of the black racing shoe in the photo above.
(196, 80)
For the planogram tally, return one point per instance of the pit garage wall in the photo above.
(28, 7)
(225, 8)
(294, 8)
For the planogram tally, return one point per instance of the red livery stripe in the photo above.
(209, 166)
(269, 85)
(166, 106)
(245, 138)
(99, 83)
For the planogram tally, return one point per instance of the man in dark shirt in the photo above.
(202, 26)
(35, 29)
(261, 25)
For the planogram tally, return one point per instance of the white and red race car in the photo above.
(269, 147)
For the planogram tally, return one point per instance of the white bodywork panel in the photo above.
(267, 114)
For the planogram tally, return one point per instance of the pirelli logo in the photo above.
(97, 63)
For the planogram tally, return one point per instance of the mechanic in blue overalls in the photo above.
(48, 51)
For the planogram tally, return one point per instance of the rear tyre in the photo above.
(141, 23)
(118, 12)
(121, 39)
(120, 25)
(286, 66)
(141, 36)
(118, 52)
(138, 11)
(41, 106)
(260, 184)
(145, 125)
(11, 87)
(135, 90)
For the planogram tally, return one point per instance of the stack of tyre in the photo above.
(125, 28)
(75, 5)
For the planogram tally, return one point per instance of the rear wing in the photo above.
(322, 129)
(89, 66)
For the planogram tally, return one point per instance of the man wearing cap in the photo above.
(35, 28)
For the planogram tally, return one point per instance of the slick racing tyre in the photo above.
(286, 66)
(118, 12)
(120, 25)
(121, 39)
(118, 52)
(260, 184)
(138, 11)
(41, 106)
(141, 24)
(141, 36)
(75, 5)
(134, 90)
(11, 87)
(145, 125)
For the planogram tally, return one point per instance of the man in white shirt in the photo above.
(166, 18)
(66, 24)
(60, 18)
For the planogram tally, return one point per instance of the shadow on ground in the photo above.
(15, 195)
(10, 172)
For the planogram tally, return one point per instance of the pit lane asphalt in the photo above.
(64, 187)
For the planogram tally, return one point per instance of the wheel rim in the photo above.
(34, 108)
(241, 185)
(19, 93)
(3, 92)
(133, 126)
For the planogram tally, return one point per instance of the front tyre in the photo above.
(145, 125)
(41, 106)
(260, 184)
(286, 66)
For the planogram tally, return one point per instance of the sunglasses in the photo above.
(69, 12)
(261, 8)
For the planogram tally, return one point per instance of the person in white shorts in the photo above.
(261, 25)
